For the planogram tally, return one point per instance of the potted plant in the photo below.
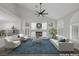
(53, 32)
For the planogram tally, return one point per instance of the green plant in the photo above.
(53, 32)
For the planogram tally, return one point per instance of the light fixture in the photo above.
(41, 12)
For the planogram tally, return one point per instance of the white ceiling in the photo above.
(55, 10)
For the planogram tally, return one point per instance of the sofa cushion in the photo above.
(62, 40)
(20, 35)
(11, 38)
(67, 40)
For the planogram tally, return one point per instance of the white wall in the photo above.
(29, 16)
(65, 26)
(43, 29)
(65, 23)
(7, 20)
(7, 24)
(75, 22)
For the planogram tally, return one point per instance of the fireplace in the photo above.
(38, 34)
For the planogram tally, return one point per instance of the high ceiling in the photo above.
(55, 10)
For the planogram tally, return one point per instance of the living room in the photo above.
(39, 28)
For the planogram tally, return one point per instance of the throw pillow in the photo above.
(62, 40)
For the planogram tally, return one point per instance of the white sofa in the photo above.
(62, 46)
(22, 37)
(2, 43)
(12, 41)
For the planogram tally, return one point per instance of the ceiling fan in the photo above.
(41, 12)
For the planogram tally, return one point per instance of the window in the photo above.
(33, 26)
(27, 28)
(60, 27)
(44, 26)
(75, 32)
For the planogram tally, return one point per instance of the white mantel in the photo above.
(34, 29)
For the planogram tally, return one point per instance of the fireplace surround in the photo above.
(38, 34)
(38, 29)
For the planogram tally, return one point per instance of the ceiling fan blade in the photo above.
(37, 13)
(42, 15)
(45, 13)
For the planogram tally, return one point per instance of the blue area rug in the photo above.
(30, 47)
